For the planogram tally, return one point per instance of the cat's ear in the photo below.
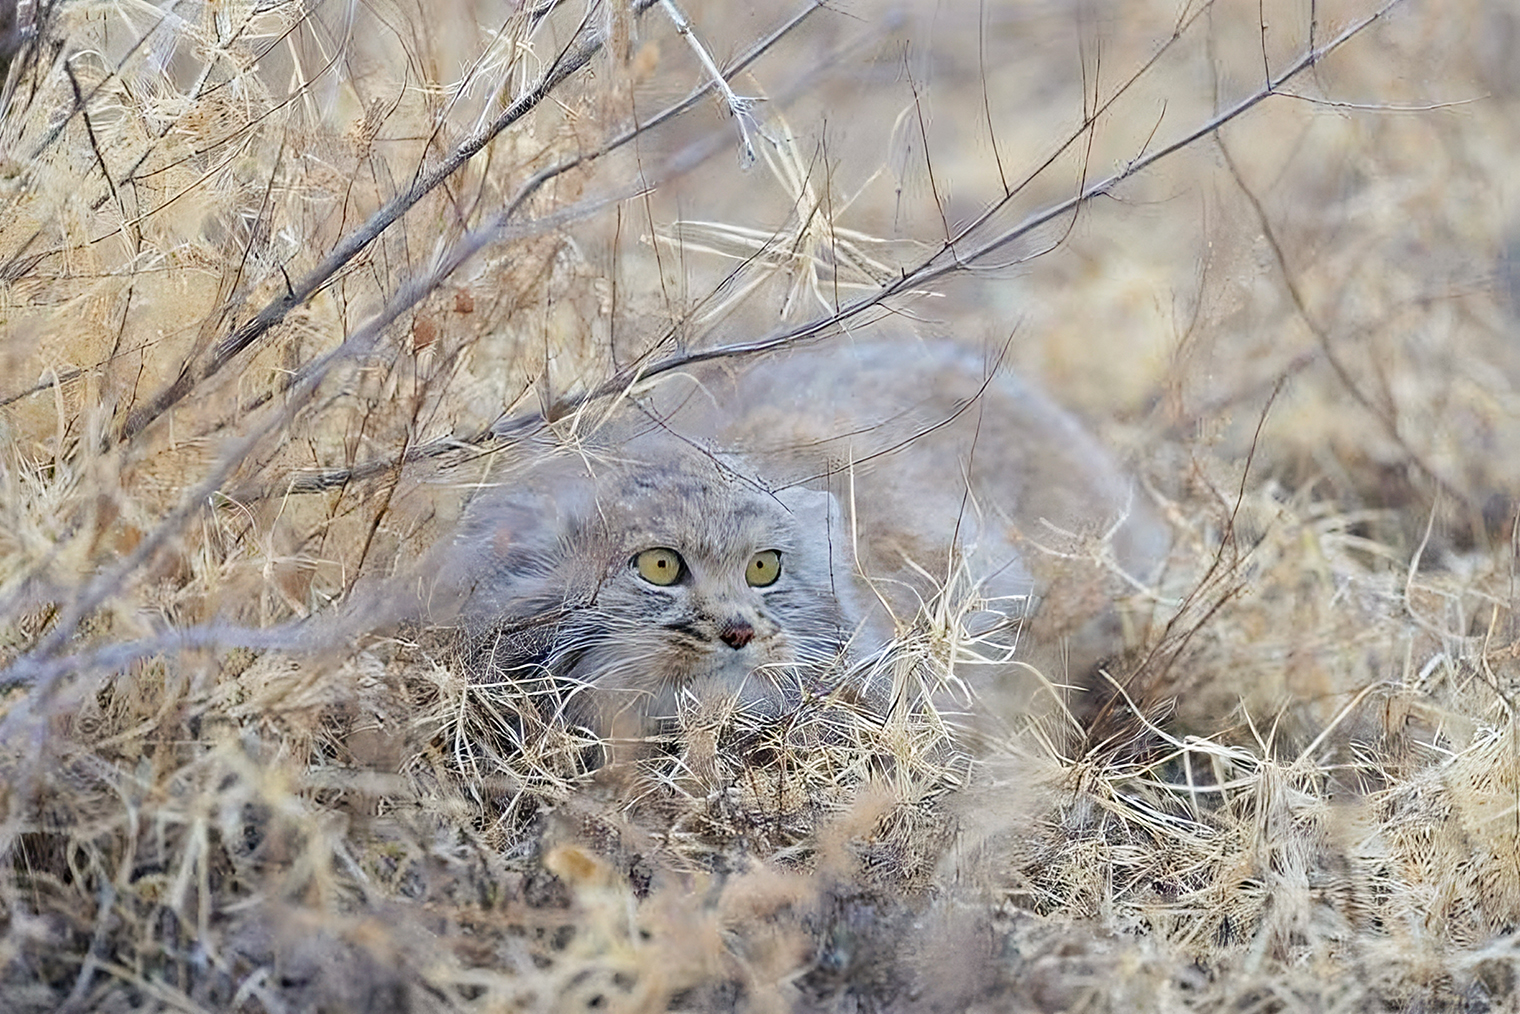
(512, 552)
(826, 564)
(818, 514)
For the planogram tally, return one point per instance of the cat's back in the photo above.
(928, 442)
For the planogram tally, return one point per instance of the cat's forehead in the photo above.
(696, 507)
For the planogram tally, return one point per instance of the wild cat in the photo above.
(746, 528)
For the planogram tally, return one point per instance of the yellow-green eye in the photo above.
(660, 566)
(764, 567)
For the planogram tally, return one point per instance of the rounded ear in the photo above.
(820, 517)
(817, 510)
(512, 553)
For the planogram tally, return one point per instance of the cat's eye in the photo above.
(764, 567)
(660, 566)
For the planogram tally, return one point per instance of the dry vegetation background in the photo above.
(234, 404)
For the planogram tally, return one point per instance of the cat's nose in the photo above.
(736, 633)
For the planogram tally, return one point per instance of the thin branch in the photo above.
(682, 162)
(981, 56)
(1379, 107)
(1384, 414)
(83, 101)
(291, 636)
(577, 54)
(739, 107)
(948, 260)
(923, 137)
(359, 344)
(871, 306)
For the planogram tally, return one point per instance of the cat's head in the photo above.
(647, 579)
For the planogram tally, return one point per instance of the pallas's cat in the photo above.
(705, 541)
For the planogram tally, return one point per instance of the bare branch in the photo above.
(1383, 414)
(871, 306)
(577, 54)
(357, 345)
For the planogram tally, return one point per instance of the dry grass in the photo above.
(280, 283)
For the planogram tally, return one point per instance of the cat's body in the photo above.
(942, 473)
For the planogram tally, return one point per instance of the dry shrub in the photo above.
(269, 316)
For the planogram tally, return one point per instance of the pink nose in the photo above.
(736, 633)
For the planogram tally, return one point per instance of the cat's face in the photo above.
(654, 579)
